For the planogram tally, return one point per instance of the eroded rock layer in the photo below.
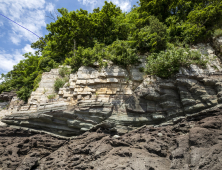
(7, 96)
(123, 99)
(192, 143)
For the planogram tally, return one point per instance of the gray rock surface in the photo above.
(191, 144)
(123, 97)
(7, 96)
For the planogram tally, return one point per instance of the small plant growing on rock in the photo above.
(127, 79)
(44, 91)
(215, 67)
(51, 96)
(217, 33)
(59, 83)
(68, 84)
(97, 94)
(66, 79)
(64, 71)
(166, 63)
(141, 69)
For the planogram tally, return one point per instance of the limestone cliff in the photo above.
(121, 99)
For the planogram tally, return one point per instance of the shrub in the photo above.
(66, 79)
(87, 56)
(166, 63)
(217, 33)
(46, 64)
(67, 61)
(59, 83)
(193, 33)
(64, 71)
(121, 53)
(153, 37)
(24, 93)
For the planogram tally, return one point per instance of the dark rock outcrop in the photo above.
(192, 143)
(7, 96)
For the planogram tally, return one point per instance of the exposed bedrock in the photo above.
(192, 143)
(121, 99)
(7, 96)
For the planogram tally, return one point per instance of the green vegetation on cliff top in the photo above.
(154, 27)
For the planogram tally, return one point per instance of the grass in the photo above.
(51, 96)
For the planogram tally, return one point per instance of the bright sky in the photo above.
(32, 14)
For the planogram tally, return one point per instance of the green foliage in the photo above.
(66, 79)
(188, 21)
(141, 69)
(121, 53)
(217, 33)
(166, 63)
(68, 61)
(46, 64)
(68, 84)
(83, 57)
(22, 77)
(64, 71)
(81, 26)
(88, 56)
(51, 96)
(151, 38)
(24, 93)
(59, 83)
(36, 82)
(26, 75)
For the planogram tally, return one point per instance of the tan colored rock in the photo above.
(126, 98)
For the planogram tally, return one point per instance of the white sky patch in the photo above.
(125, 5)
(28, 49)
(9, 60)
(15, 39)
(27, 13)
(91, 3)
(88, 2)
(50, 7)
(3, 7)
(30, 14)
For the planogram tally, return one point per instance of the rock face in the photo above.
(192, 143)
(122, 99)
(218, 44)
(7, 96)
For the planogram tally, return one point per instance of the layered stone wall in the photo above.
(121, 99)
(7, 96)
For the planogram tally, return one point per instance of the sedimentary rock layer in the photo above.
(192, 143)
(123, 99)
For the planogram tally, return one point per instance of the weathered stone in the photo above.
(136, 75)
(218, 44)
(7, 96)
(127, 98)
